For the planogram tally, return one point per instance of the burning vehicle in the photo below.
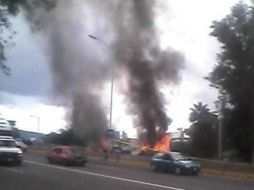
(161, 145)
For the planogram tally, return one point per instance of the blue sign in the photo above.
(111, 134)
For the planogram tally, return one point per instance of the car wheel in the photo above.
(153, 168)
(177, 171)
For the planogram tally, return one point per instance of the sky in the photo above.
(26, 95)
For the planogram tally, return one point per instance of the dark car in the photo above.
(174, 162)
(66, 155)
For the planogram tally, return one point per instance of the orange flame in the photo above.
(162, 145)
(104, 144)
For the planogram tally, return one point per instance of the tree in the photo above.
(234, 77)
(6, 31)
(65, 137)
(202, 131)
(11, 8)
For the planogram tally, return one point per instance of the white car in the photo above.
(9, 153)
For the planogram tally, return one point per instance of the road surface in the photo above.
(37, 174)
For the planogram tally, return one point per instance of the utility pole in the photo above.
(220, 125)
(252, 122)
(181, 139)
(220, 139)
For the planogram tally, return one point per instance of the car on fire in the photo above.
(66, 155)
(9, 153)
(174, 162)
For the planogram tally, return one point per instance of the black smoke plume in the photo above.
(138, 50)
(88, 118)
(79, 65)
(80, 68)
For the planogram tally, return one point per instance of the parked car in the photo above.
(174, 162)
(66, 155)
(19, 143)
(9, 153)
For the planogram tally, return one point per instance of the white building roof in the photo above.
(3, 122)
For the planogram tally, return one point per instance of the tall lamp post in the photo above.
(38, 122)
(112, 77)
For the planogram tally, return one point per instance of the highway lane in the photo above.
(35, 173)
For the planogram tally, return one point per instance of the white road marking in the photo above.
(104, 176)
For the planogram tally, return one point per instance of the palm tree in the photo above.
(202, 114)
(202, 131)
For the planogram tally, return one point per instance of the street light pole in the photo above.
(111, 99)
(38, 122)
(111, 80)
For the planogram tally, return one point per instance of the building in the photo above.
(179, 142)
(3, 122)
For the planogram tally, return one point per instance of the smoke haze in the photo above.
(80, 65)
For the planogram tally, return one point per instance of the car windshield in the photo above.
(76, 151)
(7, 143)
(178, 156)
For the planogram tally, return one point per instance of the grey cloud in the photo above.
(30, 75)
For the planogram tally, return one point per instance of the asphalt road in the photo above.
(37, 174)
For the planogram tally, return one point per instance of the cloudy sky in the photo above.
(26, 95)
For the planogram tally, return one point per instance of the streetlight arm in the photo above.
(101, 41)
(93, 37)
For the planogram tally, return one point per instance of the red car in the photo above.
(66, 155)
